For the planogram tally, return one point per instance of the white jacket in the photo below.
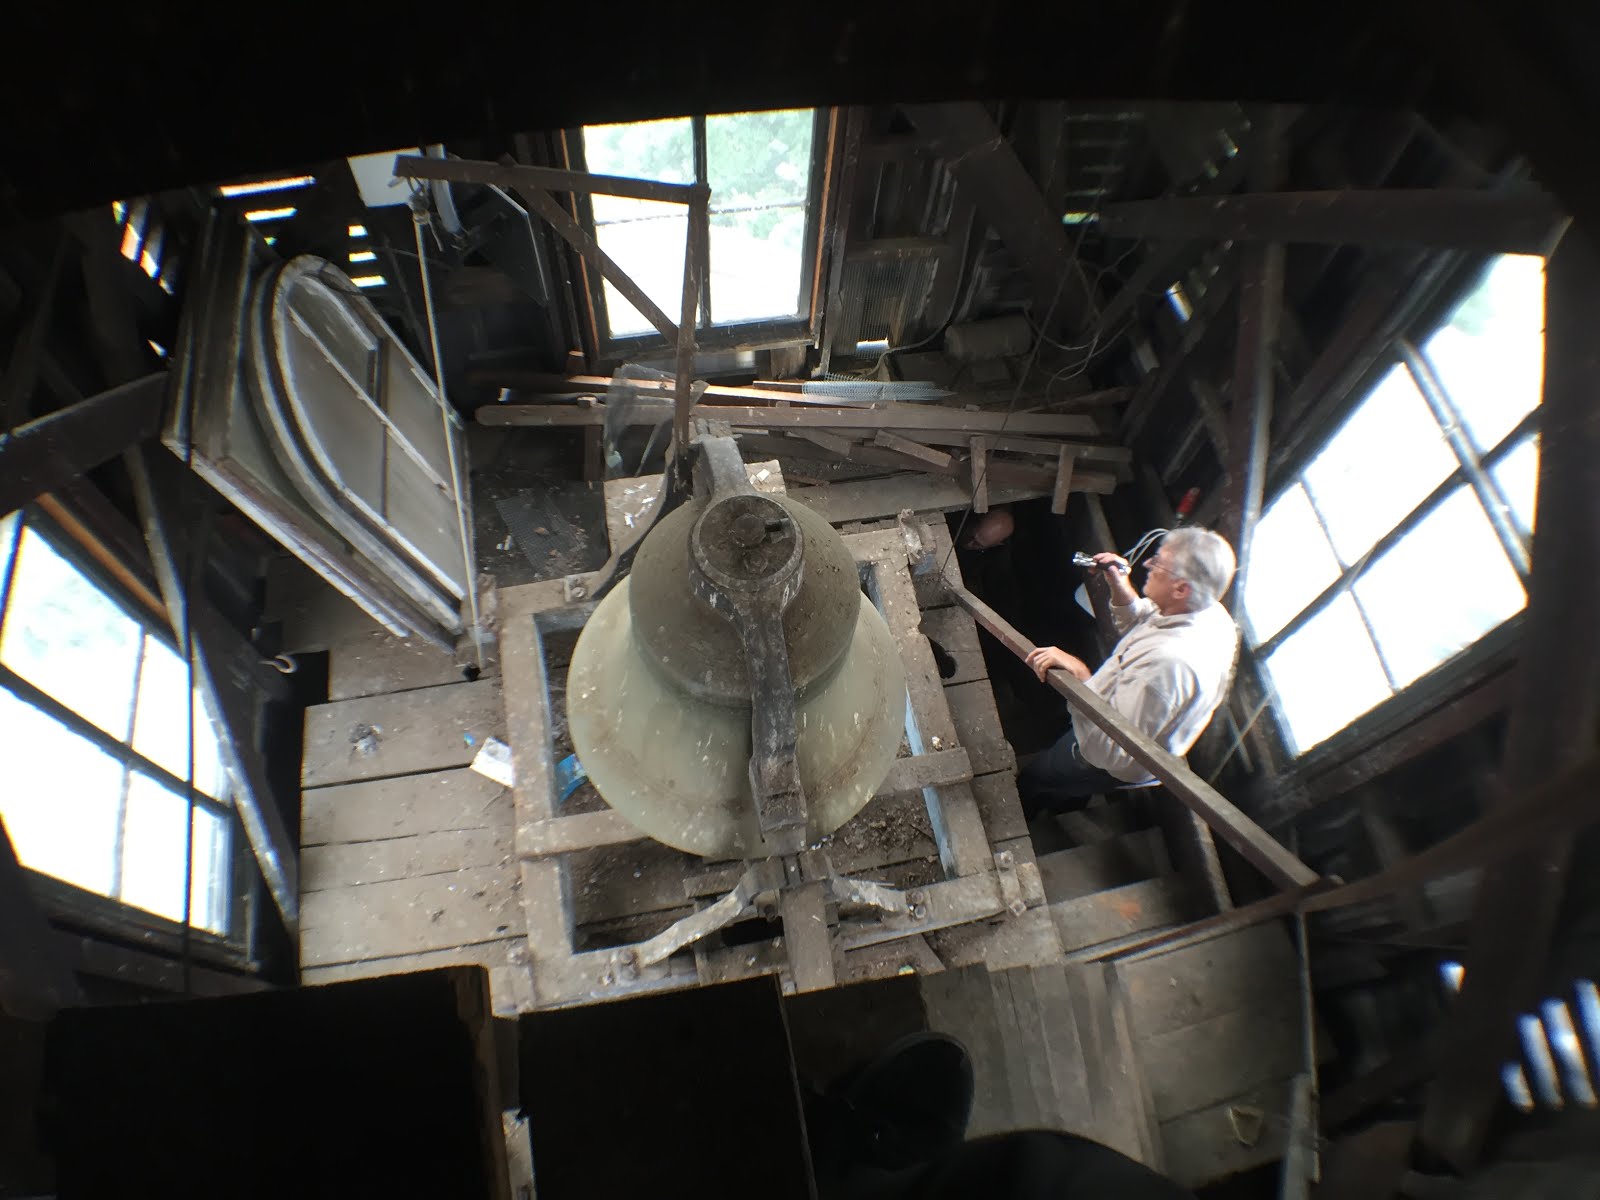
(1167, 675)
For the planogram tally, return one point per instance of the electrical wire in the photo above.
(419, 218)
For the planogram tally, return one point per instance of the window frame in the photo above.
(762, 333)
(69, 899)
(1493, 645)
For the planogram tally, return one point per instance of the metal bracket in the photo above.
(758, 878)
(1005, 867)
(919, 542)
(747, 555)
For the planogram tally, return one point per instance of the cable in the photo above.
(418, 218)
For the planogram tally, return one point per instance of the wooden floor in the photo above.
(408, 861)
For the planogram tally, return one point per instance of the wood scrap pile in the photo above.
(989, 453)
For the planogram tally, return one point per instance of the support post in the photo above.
(980, 475)
(1554, 715)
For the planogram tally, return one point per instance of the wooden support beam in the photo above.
(27, 352)
(1203, 326)
(1258, 846)
(986, 166)
(900, 417)
(1524, 222)
(1554, 717)
(893, 441)
(516, 176)
(1058, 497)
(225, 688)
(979, 465)
(1255, 356)
(50, 452)
(584, 243)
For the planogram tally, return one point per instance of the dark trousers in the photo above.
(1058, 780)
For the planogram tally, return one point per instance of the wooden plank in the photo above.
(1492, 222)
(1058, 497)
(957, 639)
(403, 807)
(36, 978)
(404, 916)
(518, 175)
(55, 449)
(1201, 1147)
(347, 863)
(628, 501)
(1111, 1072)
(1084, 870)
(510, 984)
(1554, 713)
(893, 441)
(1064, 1053)
(408, 733)
(1119, 912)
(960, 1002)
(977, 724)
(376, 662)
(868, 499)
(900, 417)
(978, 464)
(1025, 941)
(806, 939)
(1244, 835)
(1016, 1054)
(1167, 992)
(1198, 1065)
(999, 806)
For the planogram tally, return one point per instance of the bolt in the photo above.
(936, 742)
(578, 591)
(1017, 908)
(606, 980)
(1004, 858)
(919, 911)
(915, 896)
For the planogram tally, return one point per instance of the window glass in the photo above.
(1439, 589)
(154, 852)
(1383, 461)
(1490, 354)
(1291, 563)
(1517, 476)
(160, 716)
(759, 167)
(66, 636)
(59, 799)
(8, 531)
(1326, 675)
(645, 238)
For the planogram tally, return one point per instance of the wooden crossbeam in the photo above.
(1269, 855)
(1526, 222)
(516, 176)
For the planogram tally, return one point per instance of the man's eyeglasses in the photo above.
(1156, 564)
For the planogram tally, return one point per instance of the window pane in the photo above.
(1517, 475)
(1382, 463)
(756, 259)
(1441, 588)
(63, 634)
(759, 158)
(1490, 354)
(1291, 563)
(8, 529)
(159, 718)
(153, 856)
(660, 150)
(59, 798)
(650, 250)
(1326, 675)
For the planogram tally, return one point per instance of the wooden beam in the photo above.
(21, 373)
(169, 528)
(893, 441)
(1058, 497)
(1255, 356)
(1258, 846)
(581, 240)
(979, 465)
(1524, 222)
(907, 417)
(50, 452)
(986, 166)
(1554, 715)
(516, 176)
(1202, 327)
(855, 120)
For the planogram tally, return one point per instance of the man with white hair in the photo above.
(1167, 674)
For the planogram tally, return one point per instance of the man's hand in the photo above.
(1044, 658)
(1115, 568)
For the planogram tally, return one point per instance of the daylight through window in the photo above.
(759, 167)
(93, 716)
(1405, 539)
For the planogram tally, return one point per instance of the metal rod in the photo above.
(418, 217)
